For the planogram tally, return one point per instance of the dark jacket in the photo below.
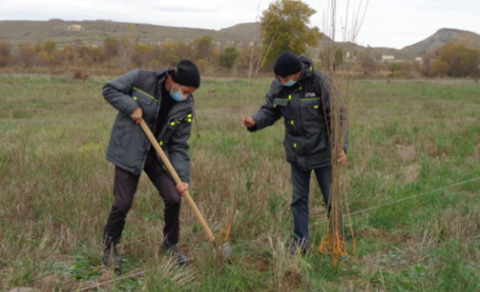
(305, 108)
(129, 146)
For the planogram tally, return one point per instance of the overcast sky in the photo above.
(388, 23)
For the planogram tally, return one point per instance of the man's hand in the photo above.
(342, 157)
(248, 122)
(137, 115)
(182, 188)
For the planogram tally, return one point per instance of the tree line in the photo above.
(285, 26)
(454, 59)
(125, 54)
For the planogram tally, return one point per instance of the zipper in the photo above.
(299, 110)
(159, 103)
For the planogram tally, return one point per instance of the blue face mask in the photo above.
(289, 83)
(178, 96)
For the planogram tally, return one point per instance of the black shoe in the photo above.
(111, 257)
(299, 246)
(174, 252)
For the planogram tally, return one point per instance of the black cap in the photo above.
(187, 74)
(287, 64)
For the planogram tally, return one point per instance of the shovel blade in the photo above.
(227, 250)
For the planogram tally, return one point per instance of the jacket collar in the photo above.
(163, 74)
(307, 68)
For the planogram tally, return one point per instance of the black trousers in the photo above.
(124, 188)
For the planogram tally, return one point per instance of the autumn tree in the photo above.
(142, 55)
(462, 61)
(97, 55)
(215, 57)
(439, 68)
(250, 58)
(204, 47)
(285, 27)
(47, 53)
(5, 51)
(202, 64)
(110, 47)
(408, 67)
(395, 67)
(173, 52)
(83, 52)
(229, 56)
(68, 53)
(38, 47)
(453, 59)
(49, 47)
(27, 54)
(365, 63)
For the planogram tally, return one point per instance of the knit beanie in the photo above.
(187, 74)
(287, 64)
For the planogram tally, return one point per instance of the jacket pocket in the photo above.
(319, 143)
(142, 96)
(311, 108)
(173, 124)
(282, 104)
(120, 135)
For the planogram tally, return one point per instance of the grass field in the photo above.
(408, 139)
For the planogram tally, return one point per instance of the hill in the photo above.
(243, 31)
(430, 44)
(376, 52)
(94, 32)
(442, 37)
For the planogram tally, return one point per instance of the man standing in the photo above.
(164, 100)
(302, 97)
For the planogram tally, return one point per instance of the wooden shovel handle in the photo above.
(177, 179)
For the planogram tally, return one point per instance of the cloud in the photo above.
(392, 23)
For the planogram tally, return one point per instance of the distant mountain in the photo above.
(244, 31)
(430, 44)
(376, 52)
(442, 37)
(94, 32)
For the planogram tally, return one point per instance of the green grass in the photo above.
(407, 138)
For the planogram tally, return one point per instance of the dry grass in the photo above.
(56, 191)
